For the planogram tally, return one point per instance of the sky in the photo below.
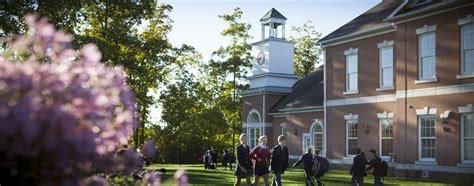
(196, 23)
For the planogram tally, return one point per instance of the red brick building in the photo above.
(399, 79)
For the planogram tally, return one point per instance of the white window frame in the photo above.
(253, 126)
(462, 22)
(313, 140)
(463, 158)
(468, 109)
(283, 127)
(351, 121)
(350, 53)
(463, 60)
(385, 45)
(384, 116)
(421, 138)
(425, 31)
(306, 136)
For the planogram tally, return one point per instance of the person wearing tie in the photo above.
(244, 164)
(279, 160)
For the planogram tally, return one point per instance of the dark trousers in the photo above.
(309, 179)
(377, 181)
(357, 179)
(276, 181)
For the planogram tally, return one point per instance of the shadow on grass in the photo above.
(197, 175)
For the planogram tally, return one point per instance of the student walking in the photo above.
(243, 169)
(321, 165)
(307, 159)
(279, 160)
(358, 168)
(231, 158)
(225, 159)
(261, 155)
(376, 164)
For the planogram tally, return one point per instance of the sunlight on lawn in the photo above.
(199, 176)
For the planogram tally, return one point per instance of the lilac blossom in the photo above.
(64, 116)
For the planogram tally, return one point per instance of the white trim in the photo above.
(463, 28)
(385, 89)
(293, 157)
(462, 141)
(422, 81)
(350, 92)
(358, 36)
(256, 112)
(426, 12)
(436, 91)
(466, 20)
(385, 115)
(422, 92)
(351, 116)
(352, 138)
(433, 168)
(263, 111)
(315, 123)
(397, 9)
(426, 111)
(425, 29)
(466, 109)
(304, 137)
(325, 106)
(426, 162)
(351, 51)
(422, 160)
(383, 46)
(385, 43)
(464, 76)
(255, 125)
(426, 32)
(361, 100)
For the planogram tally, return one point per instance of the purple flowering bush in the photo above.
(64, 116)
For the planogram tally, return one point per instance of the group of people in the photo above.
(260, 160)
(359, 168)
(266, 160)
(210, 159)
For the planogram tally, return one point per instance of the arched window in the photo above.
(318, 137)
(254, 128)
(253, 117)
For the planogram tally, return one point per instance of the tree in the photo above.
(229, 67)
(132, 35)
(307, 53)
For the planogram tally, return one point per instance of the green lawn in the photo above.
(199, 176)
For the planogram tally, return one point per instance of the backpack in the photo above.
(385, 168)
(324, 167)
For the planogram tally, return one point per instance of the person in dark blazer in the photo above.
(358, 168)
(279, 160)
(376, 164)
(243, 169)
(307, 159)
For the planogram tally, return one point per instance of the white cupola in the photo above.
(273, 55)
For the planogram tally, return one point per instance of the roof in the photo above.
(372, 18)
(273, 13)
(306, 92)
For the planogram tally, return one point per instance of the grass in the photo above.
(197, 175)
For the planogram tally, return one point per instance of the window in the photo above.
(351, 137)
(386, 136)
(253, 137)
(467, 49)
(351, 73)
(386, 67)
(427, 138)
(283, 129)
(318, 138)
(427, 56)
(306, 142)
(467, 132)
(254, 128)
